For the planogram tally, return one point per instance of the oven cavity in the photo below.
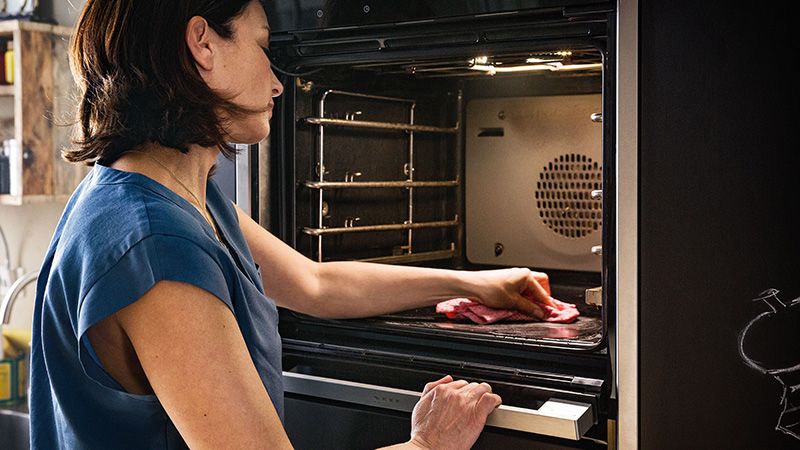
(434, 161)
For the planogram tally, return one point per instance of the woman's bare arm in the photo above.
(196, 360)
(354, 289)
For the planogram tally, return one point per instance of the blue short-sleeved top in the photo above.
(120, 234)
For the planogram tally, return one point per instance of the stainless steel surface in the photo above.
(379, 184)
(623, 340)
(390, 227)
(13, 293)
(380, 125)
(243, 183)
(530, 187)
(558, 418)
(14, 430)
(264, 188)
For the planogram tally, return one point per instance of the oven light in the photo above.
(481, 60)
(553, 67)
(538, 60)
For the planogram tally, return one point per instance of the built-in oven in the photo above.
(450, 134)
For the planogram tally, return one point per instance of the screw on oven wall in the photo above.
(501, 115)
(366, 9)
(498, 249)
(320, 13)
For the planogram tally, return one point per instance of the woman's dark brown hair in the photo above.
(138, 81)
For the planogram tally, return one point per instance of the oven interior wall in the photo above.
(363, 155)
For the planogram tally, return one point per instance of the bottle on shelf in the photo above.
(9, 63)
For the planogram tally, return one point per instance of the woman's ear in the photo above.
(198, 39)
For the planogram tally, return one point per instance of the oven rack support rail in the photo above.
(409, 184)
(384, 227)
(380, 184)
(411, 128)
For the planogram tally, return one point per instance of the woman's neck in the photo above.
(186, 174)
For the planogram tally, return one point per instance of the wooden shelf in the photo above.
(43, 98)
(8, 27)
(17, 200)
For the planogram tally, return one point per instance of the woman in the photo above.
(154, 326)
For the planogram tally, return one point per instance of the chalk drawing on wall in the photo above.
(770, 344)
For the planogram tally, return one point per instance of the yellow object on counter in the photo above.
(9, 349)
(20, 338)
(14, 368)
(6, 382)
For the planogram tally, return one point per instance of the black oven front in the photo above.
(462, 135)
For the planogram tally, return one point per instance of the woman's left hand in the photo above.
(514, 289)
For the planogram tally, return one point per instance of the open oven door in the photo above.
(547, 397)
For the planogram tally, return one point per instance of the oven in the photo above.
(452, 134)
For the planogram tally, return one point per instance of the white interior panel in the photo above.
(531, 164)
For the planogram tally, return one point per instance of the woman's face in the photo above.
(242, 72)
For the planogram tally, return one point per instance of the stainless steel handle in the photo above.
(558, 418)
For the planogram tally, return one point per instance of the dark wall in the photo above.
(719, 165)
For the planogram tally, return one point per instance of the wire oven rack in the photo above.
(409, 225)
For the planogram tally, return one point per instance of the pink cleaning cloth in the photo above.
(464, 308)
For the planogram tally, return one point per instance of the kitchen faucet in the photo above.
(11, 296)
(10, 291)
(5, 267)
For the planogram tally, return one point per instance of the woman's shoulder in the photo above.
(104, 220)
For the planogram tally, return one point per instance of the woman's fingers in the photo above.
(543, 280)
(433, 384)
(537, 292)
(475, 390)
(528, 307)
(451, 414)
(488, 402)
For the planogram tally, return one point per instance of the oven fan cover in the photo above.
(531, 166)
(564, 199)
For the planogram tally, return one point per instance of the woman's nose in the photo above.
(277, 86)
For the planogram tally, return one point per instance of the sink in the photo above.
(14, 431)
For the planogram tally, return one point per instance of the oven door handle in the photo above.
(558, 418)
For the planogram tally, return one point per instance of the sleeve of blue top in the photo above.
(151, 260)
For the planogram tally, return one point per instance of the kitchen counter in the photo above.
(19, 407)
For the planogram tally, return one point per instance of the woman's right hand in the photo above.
(451, 414)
